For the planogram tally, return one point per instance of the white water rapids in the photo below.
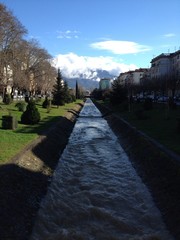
(95, 193)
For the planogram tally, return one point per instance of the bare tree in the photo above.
(30, 66)
(11, 32)
(47, 79)
(23, 63)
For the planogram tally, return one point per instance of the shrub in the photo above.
(46, 103)
(9, 122)
(31, 115)
(7, 99)
(21, 106)
(26, 98)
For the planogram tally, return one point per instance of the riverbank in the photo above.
(25, 179)
(158, 168)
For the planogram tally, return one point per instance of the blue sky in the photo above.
(117, 35)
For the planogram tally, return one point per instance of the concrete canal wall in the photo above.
(158, 167)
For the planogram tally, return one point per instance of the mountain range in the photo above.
(88, 81)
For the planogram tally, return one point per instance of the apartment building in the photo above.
(166, 67)
(175, 64)
(164, 64)
(160, 65)
(133, 77)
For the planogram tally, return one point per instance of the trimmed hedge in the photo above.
(9, 122)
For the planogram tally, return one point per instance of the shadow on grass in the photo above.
(40, 127)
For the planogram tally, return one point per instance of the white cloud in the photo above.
(68, 34)
(73, 65)
(169, 35)
(120, 47)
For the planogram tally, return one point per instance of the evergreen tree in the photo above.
(66, 93)
(118, 93)
(46, 103)
(58, 93)
(31, 115)
(77, 90)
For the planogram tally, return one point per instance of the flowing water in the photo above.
(95, 192)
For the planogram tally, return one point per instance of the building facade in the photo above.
(166, 68)
(164, 64)
(133, 77)
(175, 63)
(160, 65)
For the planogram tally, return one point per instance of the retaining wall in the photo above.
(158, 167)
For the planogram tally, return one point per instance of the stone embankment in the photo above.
(25, 179)
(158, 167)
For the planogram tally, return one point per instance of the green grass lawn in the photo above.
(12, 141)
(160, 123)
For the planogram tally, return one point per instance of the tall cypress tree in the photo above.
(58, 95)
(77, 90)
(67, 96)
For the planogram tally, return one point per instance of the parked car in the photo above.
(162, 99)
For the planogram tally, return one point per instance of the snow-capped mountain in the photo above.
(88, 80)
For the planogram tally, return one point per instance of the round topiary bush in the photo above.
(31, 115)
(46, 103)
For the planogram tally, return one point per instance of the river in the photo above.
(95, 193)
